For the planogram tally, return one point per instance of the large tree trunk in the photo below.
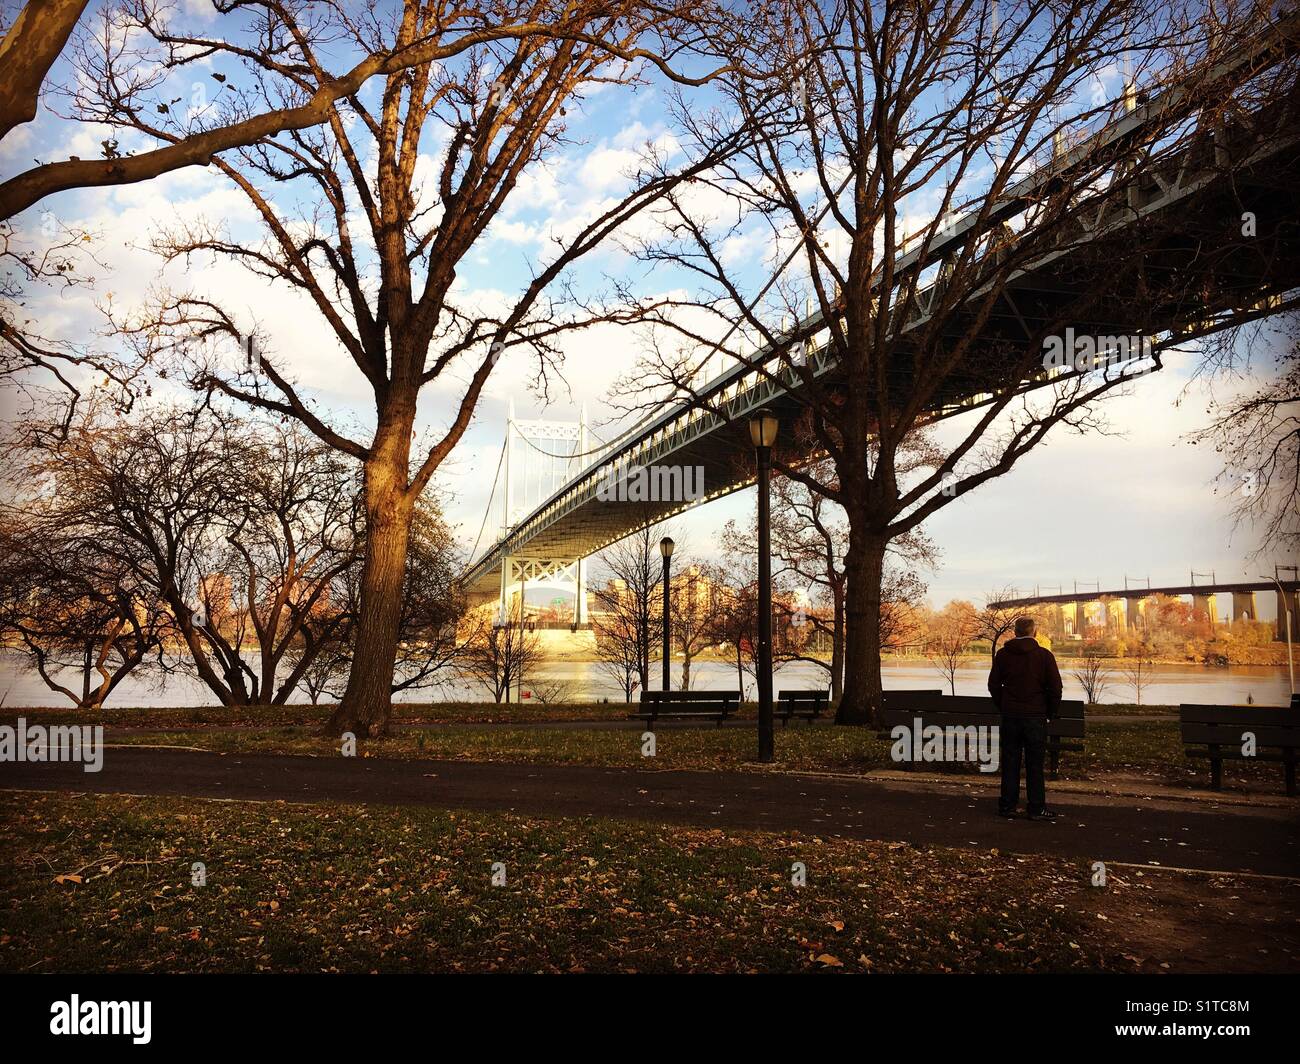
(366, 704)
(864, 564)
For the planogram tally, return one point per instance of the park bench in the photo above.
(702, 705)
(1219, 733)
(808, 705)
(905, 699)
(1065, 730)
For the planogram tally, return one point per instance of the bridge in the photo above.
(588, 506)
(1121, 610)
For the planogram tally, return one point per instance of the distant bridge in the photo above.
(1122, 609)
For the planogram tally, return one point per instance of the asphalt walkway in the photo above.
(1229, 838)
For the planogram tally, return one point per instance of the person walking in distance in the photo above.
(1026, 688)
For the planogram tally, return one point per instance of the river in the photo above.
(585, 681)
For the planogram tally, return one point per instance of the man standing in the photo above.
(1026, 687)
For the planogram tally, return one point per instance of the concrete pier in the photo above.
(1291, 601)
(1207, 606)
(1243, 605)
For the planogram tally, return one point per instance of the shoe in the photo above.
(1007, 814)
(1044, 814)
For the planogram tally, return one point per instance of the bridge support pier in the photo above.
(1243, 605)
(1207, 606)
(1055, 619)
(503, 614)
(1136, 608)
(580, 592)
(1291, 601)
(1080, 619)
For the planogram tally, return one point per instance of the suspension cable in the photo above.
(491, 495)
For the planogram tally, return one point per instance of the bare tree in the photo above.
(692, 602)
(322, 668)
(935, 113)
(1139, 671)
(239, 533)
(70, 607)
(994, 622)
(139, 53)
(500, 655)
(178, 79)
(630, 604)
(433, 604)
(809, 544)
(618, 642)
(1256, 428)
(1093, 675)
(388, 292)
(947, 640)
(734, 621)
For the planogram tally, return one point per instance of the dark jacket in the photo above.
(1024, 680)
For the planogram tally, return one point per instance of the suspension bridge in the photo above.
(563, 500)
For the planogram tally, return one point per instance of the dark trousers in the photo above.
(1025, 736)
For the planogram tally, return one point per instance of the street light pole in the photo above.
(666, 549)
(1284, 606)
(762, 433)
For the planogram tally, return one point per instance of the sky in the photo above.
(1138, 502)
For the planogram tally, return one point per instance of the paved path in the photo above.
(1170, 833)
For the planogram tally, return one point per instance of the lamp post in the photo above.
(762, 433)
(666, 549)
(1284, 607)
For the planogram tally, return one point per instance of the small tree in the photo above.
(1139, 671)
(618, 642)
(948, 640)
(500, 655)
(631, 603)
(692, 604)
(69, 606)
(995, 622)
(1093, 675)
(240, 532)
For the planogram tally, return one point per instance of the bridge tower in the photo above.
(539, 457)
(1207, 604)
(1243, 605)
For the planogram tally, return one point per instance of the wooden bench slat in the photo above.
(1282, 716)
(1232, 734)
(1233, 753)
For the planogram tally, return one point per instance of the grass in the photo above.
(1147, 749)
(103, 883)
(308, 715)
(413, 713)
